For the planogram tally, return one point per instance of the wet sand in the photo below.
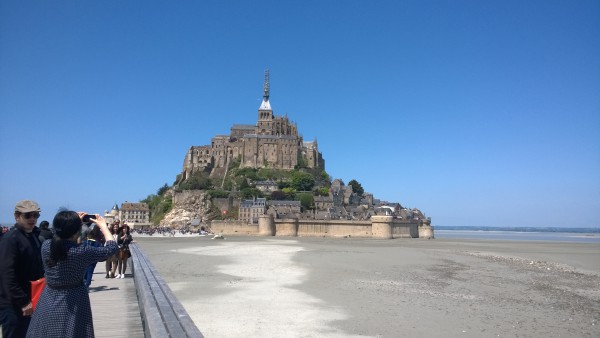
(317, 287)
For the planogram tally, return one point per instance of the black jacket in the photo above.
(124, 243)
(45, 234)
(20, 263)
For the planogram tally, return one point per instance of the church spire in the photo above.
(266, 86)
(265, 105)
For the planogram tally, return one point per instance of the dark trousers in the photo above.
(14, 325)
(88, 274)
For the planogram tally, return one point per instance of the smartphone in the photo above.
(88, 218)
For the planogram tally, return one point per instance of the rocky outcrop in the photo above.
(187, 205)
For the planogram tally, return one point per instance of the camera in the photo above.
(88, 218)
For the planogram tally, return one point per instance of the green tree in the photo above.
(302, 181)
(283, 184)
(242, 183)
(196, 182)
(228, 185)
(159, 206)
(218, 193)
(321, 191)
(277, 195)
(289, 193)
(356, 187)
(324, 176)
(250, 192)
(235, 163)
(301, 163)
(250, 173)
(162, 189)
(306, 200)
(265, 174)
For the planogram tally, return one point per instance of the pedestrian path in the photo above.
(115, 305)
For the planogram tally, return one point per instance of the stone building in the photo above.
(273, 142)
(133, 214)
(112, 215)
(250, 210)
(340, 193)
(323, 202)
(285, 208)
(266, 186)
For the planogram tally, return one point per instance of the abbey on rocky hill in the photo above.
(273, 142)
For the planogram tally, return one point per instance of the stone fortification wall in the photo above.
(286, 227)
(234, 228)
(426, 231)
(334, 228)
(377, 227)
(382, 226)
(226, 204)
(405, 229)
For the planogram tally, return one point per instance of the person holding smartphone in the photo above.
(64, 308)
(123, 239)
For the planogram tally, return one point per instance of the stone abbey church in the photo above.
(273, 142)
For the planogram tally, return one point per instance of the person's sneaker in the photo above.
(118, 275)
(122, 276)
(107, 276)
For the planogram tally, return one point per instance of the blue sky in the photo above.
(476, 112)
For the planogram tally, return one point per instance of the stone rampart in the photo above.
(382, 226)
(234, 228)
(227, 204)
(334, 228)
(286, 227)
(377, 227)
(405, 229)
(266, 225)
(426, 231)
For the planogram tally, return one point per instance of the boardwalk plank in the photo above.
(115, 306)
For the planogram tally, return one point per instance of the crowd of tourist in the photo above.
(65, 253)
(167, 231)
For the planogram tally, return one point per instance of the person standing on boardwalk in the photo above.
(64, 308)
(20, 264)
(96, 239)
(111, 262)
(45, 232)
(124, 238)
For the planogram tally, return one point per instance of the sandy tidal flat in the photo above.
(313, 287)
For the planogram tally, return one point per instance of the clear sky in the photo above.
(476, 112)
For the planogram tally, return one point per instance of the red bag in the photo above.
(37, 286)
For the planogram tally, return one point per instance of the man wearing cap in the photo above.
(20, 263)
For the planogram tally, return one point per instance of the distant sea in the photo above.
(578, 235)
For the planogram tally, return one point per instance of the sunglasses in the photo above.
(29, 215)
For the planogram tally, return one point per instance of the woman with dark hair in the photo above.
(64, 307)
(111, 262)
(124, 238)
(45, 232)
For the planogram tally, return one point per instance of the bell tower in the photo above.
(265, 113)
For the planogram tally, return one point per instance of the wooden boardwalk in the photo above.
(115, 305)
